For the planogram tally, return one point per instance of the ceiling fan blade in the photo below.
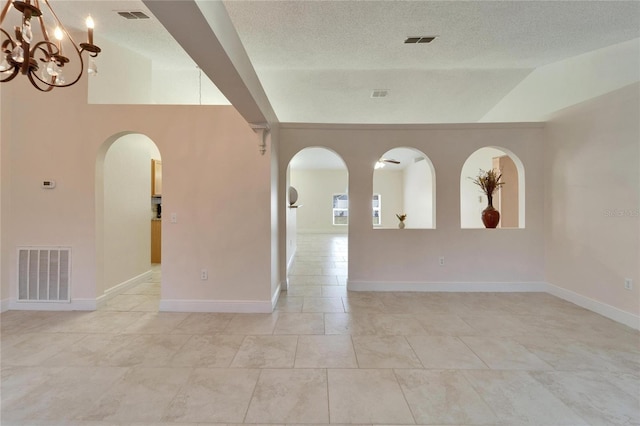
(390, 161)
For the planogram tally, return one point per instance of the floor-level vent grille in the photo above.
(44, 274)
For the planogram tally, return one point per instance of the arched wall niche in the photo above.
(404, 183)
(509, 200)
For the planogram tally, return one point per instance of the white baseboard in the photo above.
(124, 286)
(603, 309)
(492, 287)
(275, 297)
(4, 305)
(235, 306)
(74, 305)
(336, 230)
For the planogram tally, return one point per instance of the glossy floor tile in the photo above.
(324, 356)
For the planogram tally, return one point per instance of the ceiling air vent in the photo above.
(136, 14)
(380, 93)
(424, 39)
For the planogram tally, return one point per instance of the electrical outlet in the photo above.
(174, 217)
(441, 261)
(628, 283)
(204, 274)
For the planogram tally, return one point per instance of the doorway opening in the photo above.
(128, 206)
(317, 226)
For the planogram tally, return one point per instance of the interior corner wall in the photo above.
(184, 87)
(124, 76)
(127, 209)
(315, 194)
(214, 180)
(403, 259)
(592, 198)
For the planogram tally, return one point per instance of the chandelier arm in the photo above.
(5, 10)
(35, 84)
(44, 53)
(11, 76)
(9, 40)
(50, 45)
(62, 28)
(43, 28)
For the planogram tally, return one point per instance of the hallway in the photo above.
(144, 297)
(323, 356)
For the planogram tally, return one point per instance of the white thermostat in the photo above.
(48, 184)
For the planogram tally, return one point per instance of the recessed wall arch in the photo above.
(404, 183)
(510, 200)
(123, 207)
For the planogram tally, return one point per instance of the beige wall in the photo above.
(592, 170)
(215, 180)
(474, 256)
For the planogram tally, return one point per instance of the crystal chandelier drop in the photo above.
(44, 62)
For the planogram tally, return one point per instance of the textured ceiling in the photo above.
(146, 37)
(318, 61)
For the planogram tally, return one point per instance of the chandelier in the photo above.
(44, 62)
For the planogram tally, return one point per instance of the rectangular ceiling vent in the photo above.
(44, 274)
(424, 39)
(380, 93)
(134, 14)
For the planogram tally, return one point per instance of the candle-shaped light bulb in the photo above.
(57, 33)
(90, 25)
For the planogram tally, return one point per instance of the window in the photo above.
(376, 210)
(340, 209)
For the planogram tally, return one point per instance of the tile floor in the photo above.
(324, 356)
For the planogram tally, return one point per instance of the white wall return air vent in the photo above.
(44, 274)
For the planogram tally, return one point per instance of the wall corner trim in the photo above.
(601, 308)
(228, 306)
(4, 305)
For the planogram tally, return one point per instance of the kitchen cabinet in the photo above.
(156, 178)
(156, 240)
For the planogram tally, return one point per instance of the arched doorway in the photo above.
(317, 224)
(126, 212)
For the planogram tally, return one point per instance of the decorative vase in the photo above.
(401, 225)
(490, 216)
